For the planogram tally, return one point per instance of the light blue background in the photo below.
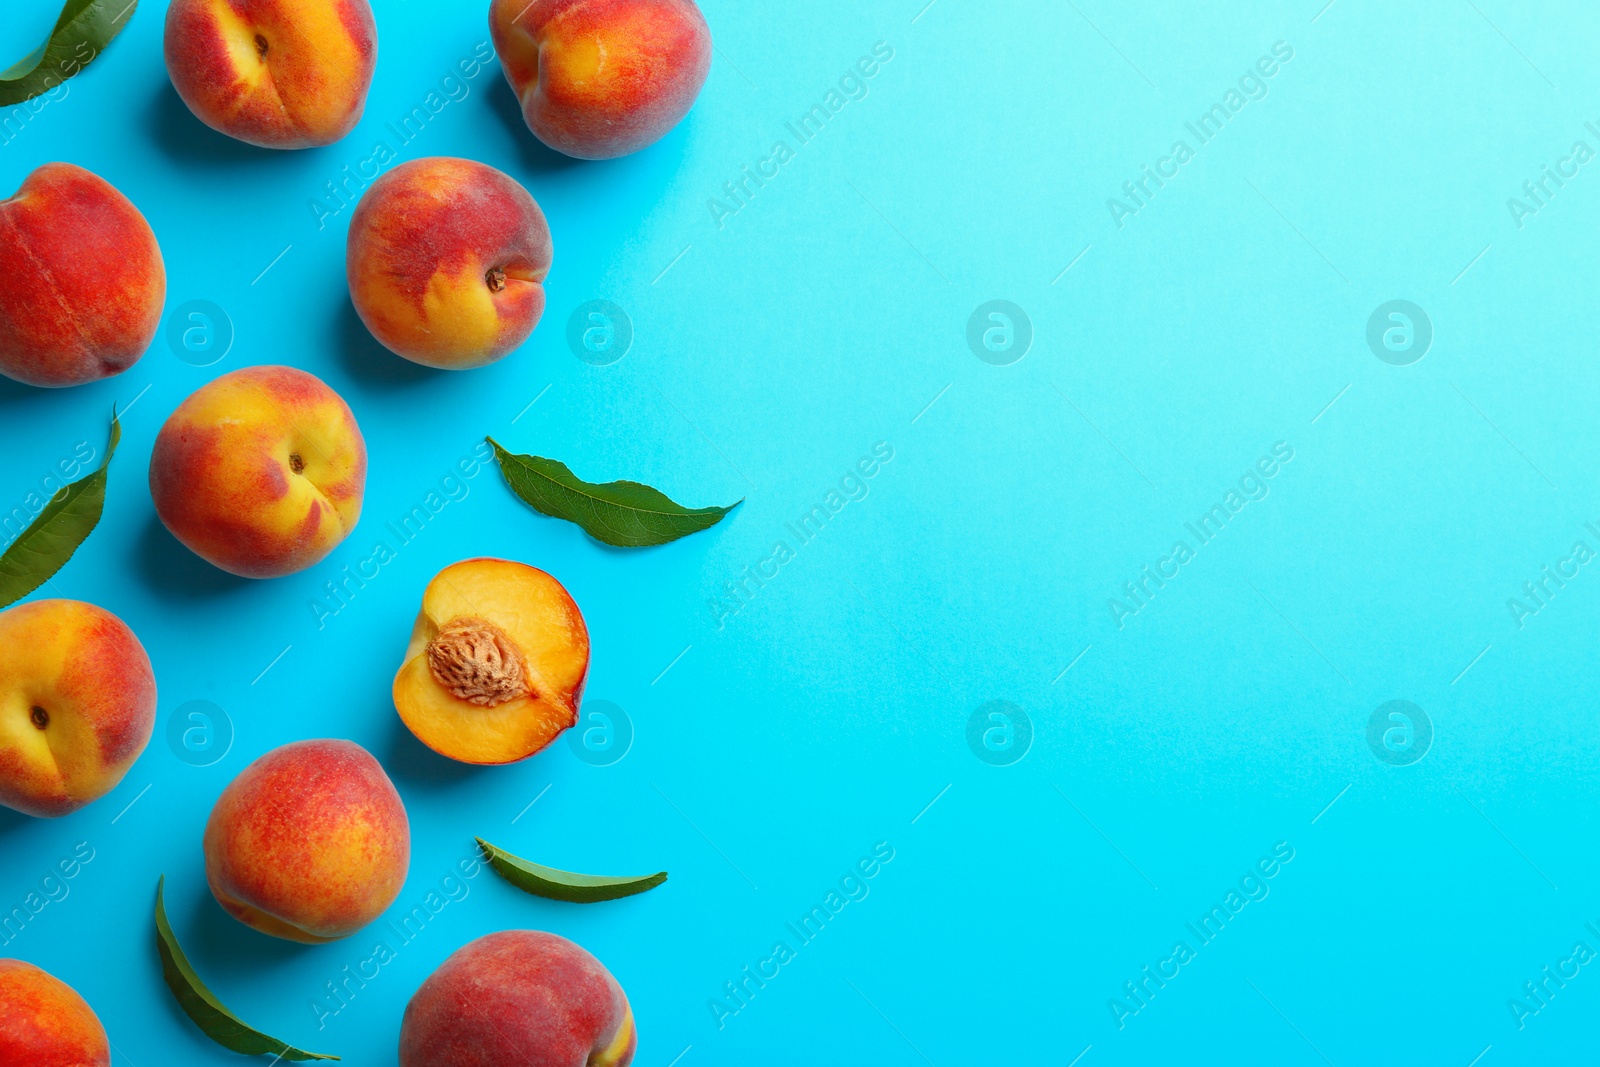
(773, 351)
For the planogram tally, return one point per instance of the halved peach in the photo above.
(496, 664)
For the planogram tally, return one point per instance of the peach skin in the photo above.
(77, 705)
(84, 281)
(602, 78)
(520, 997)
(274, 73)
(446, 261)
(261, 471)
(496, 664)
(45, 1023)
(310, 843)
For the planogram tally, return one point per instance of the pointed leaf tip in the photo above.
(54, 535)
(564, 885)
(82, 31)
(202, 1006)
(623, 514)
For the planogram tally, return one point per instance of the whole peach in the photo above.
(601, 78)
(45, 1023)
(519, 997)
(77, 705)
(260, 471)
(275, 73)
(446, 260)
(83, 279)
(310, 843)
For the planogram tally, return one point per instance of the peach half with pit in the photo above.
(496, 664)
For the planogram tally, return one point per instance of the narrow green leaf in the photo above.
(51, 539)
(624, 514)
(201, 1005)
(80, 34)
(563, 885)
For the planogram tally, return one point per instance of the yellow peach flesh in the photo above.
(538, 619)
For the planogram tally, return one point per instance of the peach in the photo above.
(84, 281)
(45, 1023)
(275, 73)
(446, 260)
(77, 704)
(310, 843)
(519, 996)
(601, 78)
(496, 664)
(261, 471)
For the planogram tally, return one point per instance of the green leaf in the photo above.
(201, 1005)
(51, 539)
(563, 885)
(624, 514)
(81, 33)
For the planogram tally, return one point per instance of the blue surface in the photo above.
(773, 347)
